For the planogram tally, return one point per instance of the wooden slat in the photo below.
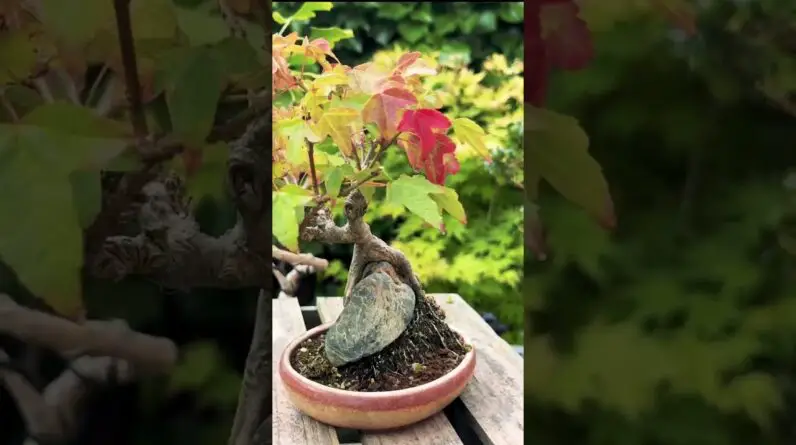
(291, 427)
(494, 398)
(436, 430)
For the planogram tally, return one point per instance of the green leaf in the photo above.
(394, 11)
(355, 101)
(18, 54)
(487, 21)
(412, 31)
(200, 26)
(287, 203)
(74, 119)
(193, 82)
(76, 22)
(278, 18)
(46, 249)
(512, 12)
(308, 10)
(413, 192)
(240, 62)
(471, 134)
(333, 181)
(153, 19)
(297, 132)
(87, 195)
(557, 148)
(448, 200)
(332, 35)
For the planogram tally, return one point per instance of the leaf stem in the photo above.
(284, 27)
(93, 91)
(312, 169)
(9, 108)
(133, 84)
(382, 148)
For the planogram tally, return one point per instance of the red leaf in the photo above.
(437, 163)
(567, 39)
(383, 108)
(535, 57)
(422, 124)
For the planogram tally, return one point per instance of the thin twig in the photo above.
(298, 258)
(130, 64)
(312, 169)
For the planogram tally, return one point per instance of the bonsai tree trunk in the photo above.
(423, 326)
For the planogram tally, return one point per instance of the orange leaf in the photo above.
(384, 109)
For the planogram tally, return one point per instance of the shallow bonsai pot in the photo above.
(371, 410)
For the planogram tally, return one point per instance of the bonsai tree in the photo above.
(332, 125)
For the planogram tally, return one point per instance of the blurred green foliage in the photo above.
(468, 30)
(677, 329)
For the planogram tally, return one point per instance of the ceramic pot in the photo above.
(371, 410)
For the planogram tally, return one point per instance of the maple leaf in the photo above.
(566, 37)
(318, 49)
(383, 109)
(422, 124)
(405, 61)
(410, 64)
(437, 163)
(471, 134)
(338, 123)
(367, 77)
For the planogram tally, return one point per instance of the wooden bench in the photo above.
(490, 408)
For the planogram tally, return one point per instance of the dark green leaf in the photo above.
(46, 249)
(557, 147)
(412, 31)
(193, 82)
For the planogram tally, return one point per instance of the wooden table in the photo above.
(490, 408)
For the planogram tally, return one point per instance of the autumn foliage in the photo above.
(330, 136)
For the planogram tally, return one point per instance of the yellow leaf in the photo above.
(471, 134)
(331, 79)
(339, 123)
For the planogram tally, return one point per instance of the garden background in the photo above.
(678, 327)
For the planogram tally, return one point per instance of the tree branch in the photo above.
(53, 416)
(93, 338)
(289, 284)
(368, 248)
(296, 259)
(130, 64)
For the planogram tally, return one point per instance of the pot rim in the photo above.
(285, 364)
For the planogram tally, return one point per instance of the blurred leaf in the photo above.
(558, 148)
(308, 10)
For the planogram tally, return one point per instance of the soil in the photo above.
(426, 351)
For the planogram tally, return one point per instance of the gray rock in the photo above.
(378, 310)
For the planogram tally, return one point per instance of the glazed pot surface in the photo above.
(371, 410)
